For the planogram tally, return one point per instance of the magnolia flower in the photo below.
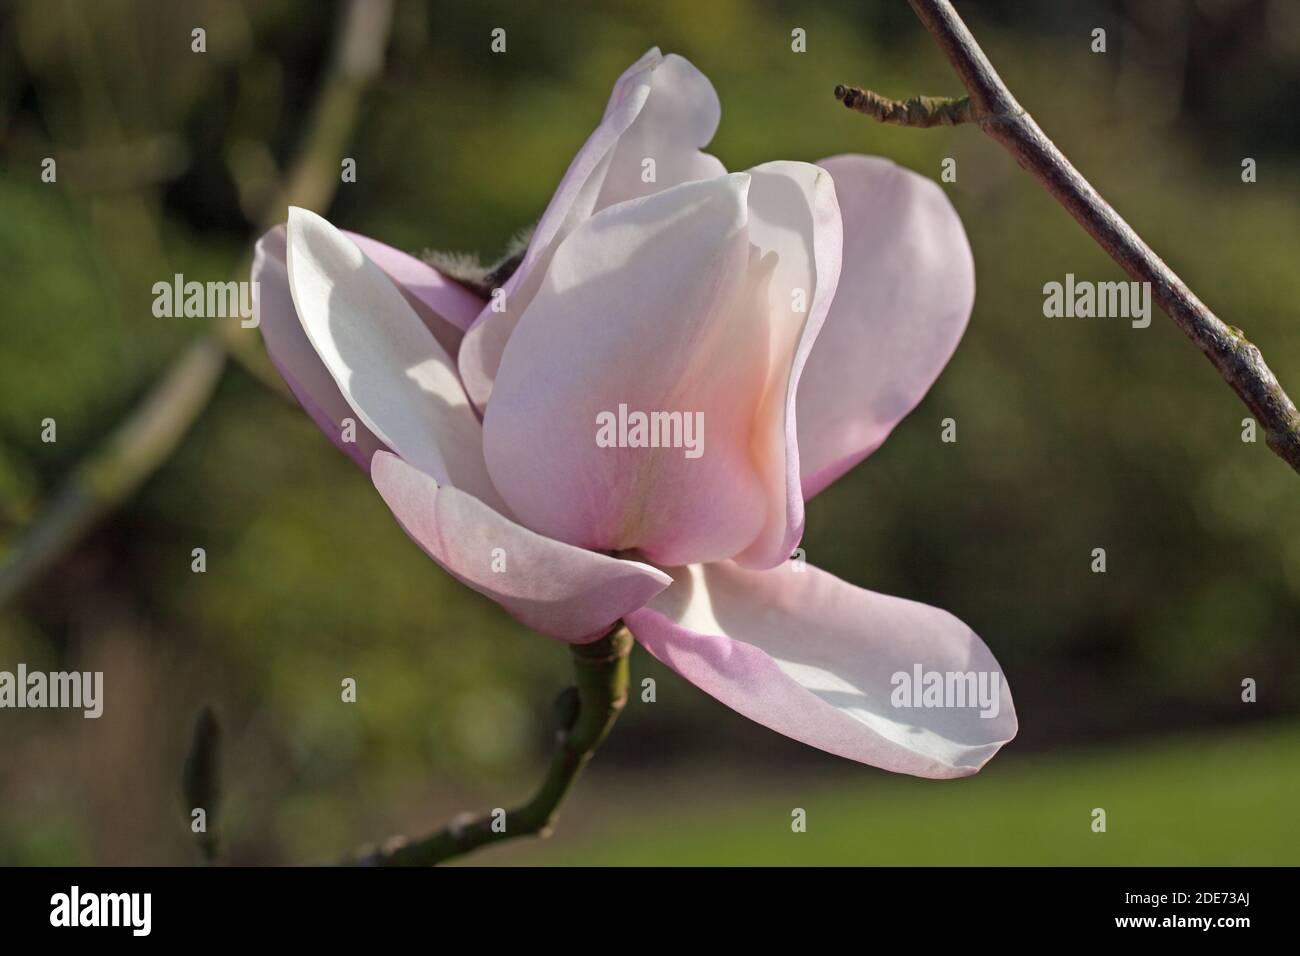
(796, 311)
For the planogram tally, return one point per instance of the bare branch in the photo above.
(992, 106)
(155, 427)
(132, 452)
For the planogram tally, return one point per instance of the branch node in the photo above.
(921, 112)
(993, 107)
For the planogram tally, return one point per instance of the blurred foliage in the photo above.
(1072, 434)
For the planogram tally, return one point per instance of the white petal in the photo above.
(396, 377)
(819, 660)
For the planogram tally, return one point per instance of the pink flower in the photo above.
(717, 296)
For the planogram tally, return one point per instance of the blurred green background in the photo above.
(1072, 435)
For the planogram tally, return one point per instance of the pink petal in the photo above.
(678, 120)
(386, 363)
(559, 590)
(446, 307)
(377, 362)
(904, 297)
(667, 110)
(817, 659)
(294, 357)
(793, 217)
(654, 305)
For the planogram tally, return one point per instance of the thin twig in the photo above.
(920, 111)
(601, 672)
(996, 111)
(155, 427)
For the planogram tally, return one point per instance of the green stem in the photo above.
(601, 675)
